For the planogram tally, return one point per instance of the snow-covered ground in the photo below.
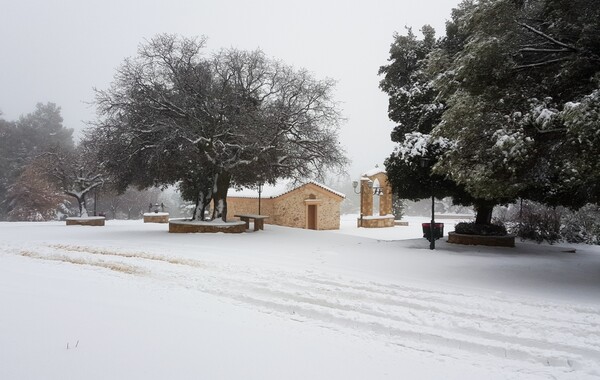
(131, 301)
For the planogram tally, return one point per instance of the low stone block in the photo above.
(375, 221)
(187, 226)
(494, 241)
(156, 217)
(89, 221)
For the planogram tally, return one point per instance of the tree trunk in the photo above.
(206, 199)
(203, 199)
(484, 213)
(83, 207)
(80, 204)
(197, 206)
(222, 181)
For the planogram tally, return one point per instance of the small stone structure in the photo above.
(257, 220)
(86, 221)
(156, 217)
(310, 206)
(187, 226)
(376, 221)
(494, 241)
(374, 183)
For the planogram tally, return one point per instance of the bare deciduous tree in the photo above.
(175, 116)
(76, 172)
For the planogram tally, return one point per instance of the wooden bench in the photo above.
(259, 220)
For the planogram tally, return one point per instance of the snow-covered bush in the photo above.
(540, 223)
(470, 228)
(537, 222)
(582, 226)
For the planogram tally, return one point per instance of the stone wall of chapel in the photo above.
(290, 209)
(238, 205)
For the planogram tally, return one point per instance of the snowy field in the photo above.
(131, 301)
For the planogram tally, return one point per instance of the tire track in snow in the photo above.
(114, 266)
(474, 301)
(420, 319)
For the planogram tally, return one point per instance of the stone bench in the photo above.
(259, 220)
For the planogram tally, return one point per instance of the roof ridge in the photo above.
(327, 188)
(320, 185)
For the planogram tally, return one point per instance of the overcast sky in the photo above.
(58, 51)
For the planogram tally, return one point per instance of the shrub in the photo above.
(480, 229)
(582, 226)
(535, 221)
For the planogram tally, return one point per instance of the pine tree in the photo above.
(519, 85)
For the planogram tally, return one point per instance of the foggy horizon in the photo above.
(60, 52)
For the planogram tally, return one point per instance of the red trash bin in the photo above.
(438, 230)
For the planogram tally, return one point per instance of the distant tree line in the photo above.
(44, 175)
(26, 191)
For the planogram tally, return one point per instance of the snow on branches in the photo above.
(417, 144)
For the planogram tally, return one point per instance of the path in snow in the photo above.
(530, 336)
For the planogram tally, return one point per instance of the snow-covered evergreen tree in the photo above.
(23, 140)
(519, 85)
(417, 105)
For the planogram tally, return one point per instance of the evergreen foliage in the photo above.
(480, 229)
(507, 104)
(21, 143)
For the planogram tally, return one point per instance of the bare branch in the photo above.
(547, 37)
(541, 50)
(539, 64)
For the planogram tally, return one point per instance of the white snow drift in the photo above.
(131, 301)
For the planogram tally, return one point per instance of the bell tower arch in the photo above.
(374, 183)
